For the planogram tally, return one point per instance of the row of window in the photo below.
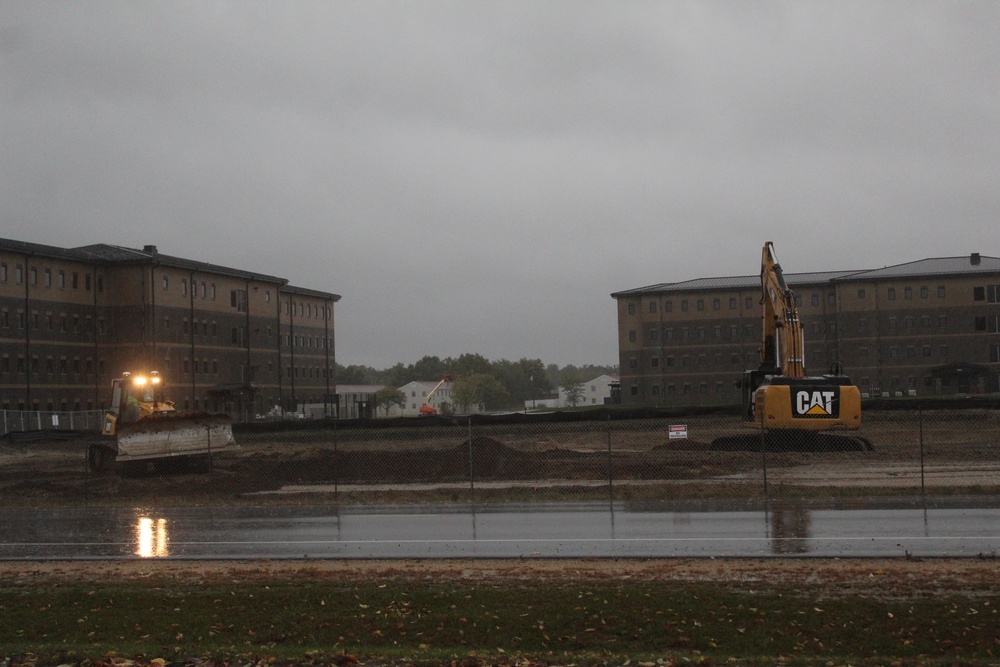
(50, 365)
(890, 292)
(988, 293)
(51, 322)
(700, 304)
(58, 279)
(700, 333)
(989, 323)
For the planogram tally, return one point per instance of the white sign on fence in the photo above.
(678, 432)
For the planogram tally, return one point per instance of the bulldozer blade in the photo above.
(169, 435)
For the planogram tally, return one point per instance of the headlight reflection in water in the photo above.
(151, 538)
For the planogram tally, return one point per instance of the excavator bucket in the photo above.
(172, 434)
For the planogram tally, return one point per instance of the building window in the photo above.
(942, 321)
(993, 293)
(716, 304)
(926, 351)
(655, 388)
(749, 303)
(633, 362)
(940, 291)
(184, 287)
(3, 272)
(814, 300)
(635, 390)
(701, 304)
(911, 352)
(924, 292)
(863, 324)
(631, 309)
(654, 335)
(978, 293)
(831, 299)
(732, 303)
(861, 292)
(668, 306)
(907, 293)
(995, 353)
(652, 307)
(684, 305)
(631, 335)
(943, 351)
(798, 300)
(891, 294)
(980, 323)
(653, 363)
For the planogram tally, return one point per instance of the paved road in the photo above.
(960, 527)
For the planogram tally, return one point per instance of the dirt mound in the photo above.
(484, 446)
(682, 444)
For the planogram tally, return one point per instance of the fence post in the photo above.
(763, 458)
(920, 422)
(472, 470)
(336, 463)
(611, 476)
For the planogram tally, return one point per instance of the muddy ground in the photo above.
(953, 455)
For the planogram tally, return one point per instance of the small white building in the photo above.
(595, 392)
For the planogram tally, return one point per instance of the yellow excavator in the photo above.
(141, 428)
(791, 410)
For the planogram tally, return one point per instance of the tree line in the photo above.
(495, 385)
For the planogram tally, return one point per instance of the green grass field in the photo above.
(470, 613)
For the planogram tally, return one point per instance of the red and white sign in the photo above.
(678, 432)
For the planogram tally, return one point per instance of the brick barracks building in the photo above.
(925, 328)
(224, 340)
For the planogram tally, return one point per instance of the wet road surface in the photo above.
(962, 527)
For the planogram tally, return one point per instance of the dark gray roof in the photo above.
(939, 266)
(734, 282)
(936, 266)
(102, 253)
(305, 291)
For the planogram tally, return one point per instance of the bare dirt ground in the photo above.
(825, 578)
(962, 454)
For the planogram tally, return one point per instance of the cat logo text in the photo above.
(816, 403)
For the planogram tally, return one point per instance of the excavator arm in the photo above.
(782, 351)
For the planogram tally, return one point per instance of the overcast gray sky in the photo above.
(480, 176)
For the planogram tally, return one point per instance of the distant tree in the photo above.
(480, 390)
(573, 386)
(428, 368)
(471, 364)
(356, 375)
(387, 397)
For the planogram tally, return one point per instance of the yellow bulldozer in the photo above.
(141, 428)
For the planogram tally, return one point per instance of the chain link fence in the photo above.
(526, 458)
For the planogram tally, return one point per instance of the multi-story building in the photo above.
(930, 327)
(224, 339)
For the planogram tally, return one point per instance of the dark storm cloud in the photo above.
(478, 177)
